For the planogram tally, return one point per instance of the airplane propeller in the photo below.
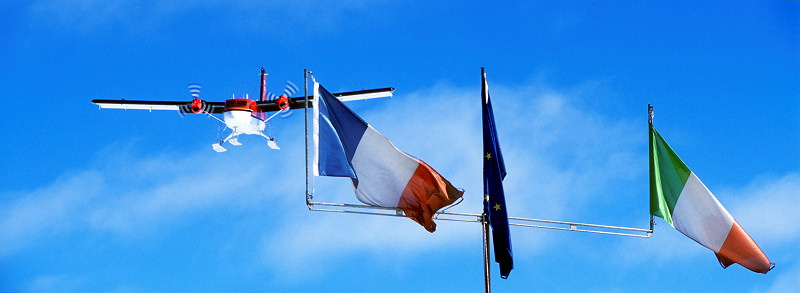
(194, 90)
(288, 90)
(197, 105)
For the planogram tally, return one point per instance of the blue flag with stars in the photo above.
(494, 201)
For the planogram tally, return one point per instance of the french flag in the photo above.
(382, 175)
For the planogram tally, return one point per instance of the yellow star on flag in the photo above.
(497, 207)
(488, 156)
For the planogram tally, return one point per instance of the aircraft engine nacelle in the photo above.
(196, 106)
(283, 102)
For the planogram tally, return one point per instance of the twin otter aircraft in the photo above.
(242, 115)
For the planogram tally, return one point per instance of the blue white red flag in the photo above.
(382, 175)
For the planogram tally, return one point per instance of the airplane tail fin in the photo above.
(263, 95)
(263, 85)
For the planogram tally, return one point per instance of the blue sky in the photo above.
(127, 201)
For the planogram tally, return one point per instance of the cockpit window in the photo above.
(236, 104)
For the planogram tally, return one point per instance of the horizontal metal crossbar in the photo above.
(476, 218)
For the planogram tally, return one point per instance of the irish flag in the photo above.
(678, 196)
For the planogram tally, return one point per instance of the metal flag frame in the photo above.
(445, 215)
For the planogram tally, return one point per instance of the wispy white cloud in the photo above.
(310, 245)
(563, 162)
(50, 283)
(568, 157)
(787, 281)
(560, 158)
(200, 184)
(767, 209)
(51, 209)
(132, 195)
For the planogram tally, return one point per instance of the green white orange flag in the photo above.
(678, 196)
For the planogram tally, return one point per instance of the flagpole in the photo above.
(305, 115)
(487, 279)
(650, 122)
(487, 276)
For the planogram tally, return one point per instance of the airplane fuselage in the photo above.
(242, 116)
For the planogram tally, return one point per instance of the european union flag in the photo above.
(494, 201)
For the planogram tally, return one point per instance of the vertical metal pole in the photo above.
(650, 122)
(305, 117)
(487, 277)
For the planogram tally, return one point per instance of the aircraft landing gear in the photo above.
(218, 147)
(272, 144)
(233, 138)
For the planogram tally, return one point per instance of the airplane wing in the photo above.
(365, 94)
(299, 102)
(219, 107)
(185, 107)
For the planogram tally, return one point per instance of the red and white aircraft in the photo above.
(240, 115)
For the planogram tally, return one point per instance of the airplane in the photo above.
(240, 115)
